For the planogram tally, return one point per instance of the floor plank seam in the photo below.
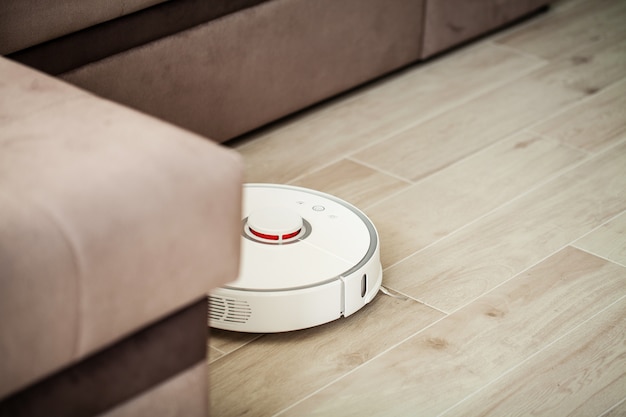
(604, 258)
(318, 168)
(219, 350)
(441, 171)
(557, 13)
(350, 372)
(538, 20)
(520, 52)
(518, 274)
(239, 347)
(308, 115)
(539, 185)
(379, 170)
(580, 102)
(599, 226)
(417, 300)
(558, 198)
(533, 355)
(391, 348)
(619, 403)
(451, 106)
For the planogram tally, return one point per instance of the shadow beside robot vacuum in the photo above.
(307, 258)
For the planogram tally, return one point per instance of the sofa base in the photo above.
(184, 395)
(138, 363)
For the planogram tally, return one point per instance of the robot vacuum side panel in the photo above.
(264, 312)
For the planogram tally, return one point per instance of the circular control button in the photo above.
(319, 208)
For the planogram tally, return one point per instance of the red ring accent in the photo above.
(263, 235)
(274, 237)
(290, 235)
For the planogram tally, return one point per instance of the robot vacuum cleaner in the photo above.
(307, 258)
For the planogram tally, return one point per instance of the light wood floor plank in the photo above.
(284, 154)
(442, 203)
(228, 342)
(618, 411)
(566, 29)
(276, 370)
(594, 124)
(214, 354)
(583, 374)
(474, 346)
(474, 225)
(609, 241)
(479, 257)
(438, 142)
(353, 182)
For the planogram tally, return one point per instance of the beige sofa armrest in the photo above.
(109, 219)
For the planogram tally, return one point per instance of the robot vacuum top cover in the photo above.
(307, 258)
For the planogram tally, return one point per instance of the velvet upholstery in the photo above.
(129, 31)
(109, 221)
(184, 395)
(237, 73)
(448, 23)
(25, 23)
(119, 373)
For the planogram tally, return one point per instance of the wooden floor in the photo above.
(496, 176)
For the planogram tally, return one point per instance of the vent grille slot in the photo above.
(229, 310)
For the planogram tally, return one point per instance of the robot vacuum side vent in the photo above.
(228, 310)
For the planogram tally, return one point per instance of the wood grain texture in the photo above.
(619, 410)
(592, 125)
(270, 374)
(471, 348)
(608, 241)
(214, 354)
(582, 374)
(498, 246)
(435, 144)
(496, 176)
(284, 154)
(571, 27)
(441, 203)
(227, 342)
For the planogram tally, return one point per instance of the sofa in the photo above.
(119, 208)
(114, 226)
(222, 68)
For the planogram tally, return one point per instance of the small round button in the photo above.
(319, 208)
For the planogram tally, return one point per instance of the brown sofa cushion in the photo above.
(24, 23)
(234, 74)
(118, 35)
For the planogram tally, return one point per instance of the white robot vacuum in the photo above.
(307, 258)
